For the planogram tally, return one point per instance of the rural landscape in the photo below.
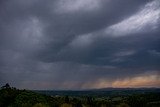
(109, 97)
(79, 53)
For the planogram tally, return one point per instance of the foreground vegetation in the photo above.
(12, 97)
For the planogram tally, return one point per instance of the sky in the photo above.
(80, 44)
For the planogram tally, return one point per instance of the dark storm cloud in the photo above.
(72, 44)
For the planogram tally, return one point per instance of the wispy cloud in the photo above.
(125, 53)
(139, 81)
(154, 52)
(144, 80)
(143, 21)
(71, 6)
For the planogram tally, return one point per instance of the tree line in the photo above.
(12, 97)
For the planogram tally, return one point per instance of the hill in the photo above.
(12, 97)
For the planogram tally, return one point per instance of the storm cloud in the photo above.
(79, 44)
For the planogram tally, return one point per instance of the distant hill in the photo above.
(126, 89)
(100, 92)
(107, 97)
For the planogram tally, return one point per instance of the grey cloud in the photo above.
(47, 49)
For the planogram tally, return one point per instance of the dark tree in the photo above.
(7, 86)
(77, 103)
(66, 99)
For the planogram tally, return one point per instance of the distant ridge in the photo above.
(112, 88)
(103, 89)
(100, 92)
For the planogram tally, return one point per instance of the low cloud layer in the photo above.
(79, 44)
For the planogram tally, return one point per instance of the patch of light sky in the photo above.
(147, 18)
